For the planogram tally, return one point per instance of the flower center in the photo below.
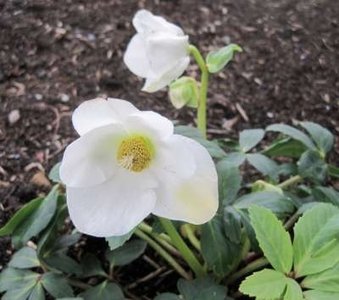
(135, 153)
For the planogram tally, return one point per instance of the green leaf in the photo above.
(54, 173)
(326, 194)
(19, 294)
(280, 204)
(326, 281)
(193, 133)
(320, 295)
(217, 60)
(229, 182)
(115, 242)
(287, 147)
(249, 138)
(265, 284)
(293, 290)
(293, 133)
(312, 166)
(56, 285)
(314, 232)
(201, 289)
(13, 279)
(103, 291)
(235, 158)
(264, 165)
(62, 262)
(232, 221)
(184, 91)
(220, 254)
(333, 171)
(167, 296)
(91, 266)
(19, 217)
(38, 220)
(273, 238)
(38, 293)
(126, 253)
(323, 138)
(25, 258)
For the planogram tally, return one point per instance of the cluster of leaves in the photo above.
(48, 260)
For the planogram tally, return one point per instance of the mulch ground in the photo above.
(56, 54)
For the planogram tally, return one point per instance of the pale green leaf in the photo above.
(54, 173)
(320, 295)
(115, 242)
(293, 290)
(25, 258)
(264, 165)
(103, 291)
(13, 279)
(184, 91)
(273, 239)
(309, 231)
(312, 166)
(217, 60)
(38, 293)
(249, 138)
(265, 284)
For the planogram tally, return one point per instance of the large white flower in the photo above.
(127, 164)
(158, 52)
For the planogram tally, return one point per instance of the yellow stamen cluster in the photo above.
(135, 153)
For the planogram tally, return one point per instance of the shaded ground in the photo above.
(55, 54)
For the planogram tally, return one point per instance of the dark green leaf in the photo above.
(293, 133)
(25, 258)
(287, 147)
(312, 166)
(232, 221)
(54, 173)
(333, 171)
(220, 254)
(273, 239)
(62, 262)
(20, 216)
(276, 202)
(266, 284)
(229, 182)
(249, 138)
(126, 253)
(91, 266)
(217, 60)
(38, 293)
(326, 194)
(38, 220)
(167, 296)
(103, 291)
(235, 158)
(201, 289)
(56, 285)
(323, 138)
(264, 165)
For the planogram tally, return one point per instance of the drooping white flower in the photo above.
(127, 164)
(158, 52)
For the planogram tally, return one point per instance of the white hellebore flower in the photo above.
(127, 164)
(158, 52)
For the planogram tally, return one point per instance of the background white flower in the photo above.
(127, 164)
(158, 52)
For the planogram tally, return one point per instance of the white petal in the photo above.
(111, 209)
(91, 159)
(149, 123)
(154, 84)
(135, 56)
(146, 23)
(164, 51)
(100, 112)
(193, 200)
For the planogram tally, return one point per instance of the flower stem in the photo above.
(163, 253)
(203, 89)
(186, 252)
(253, 266)
(191, 236)
(293, 180)
(148, 229)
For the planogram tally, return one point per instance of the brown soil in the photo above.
(56, 54)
